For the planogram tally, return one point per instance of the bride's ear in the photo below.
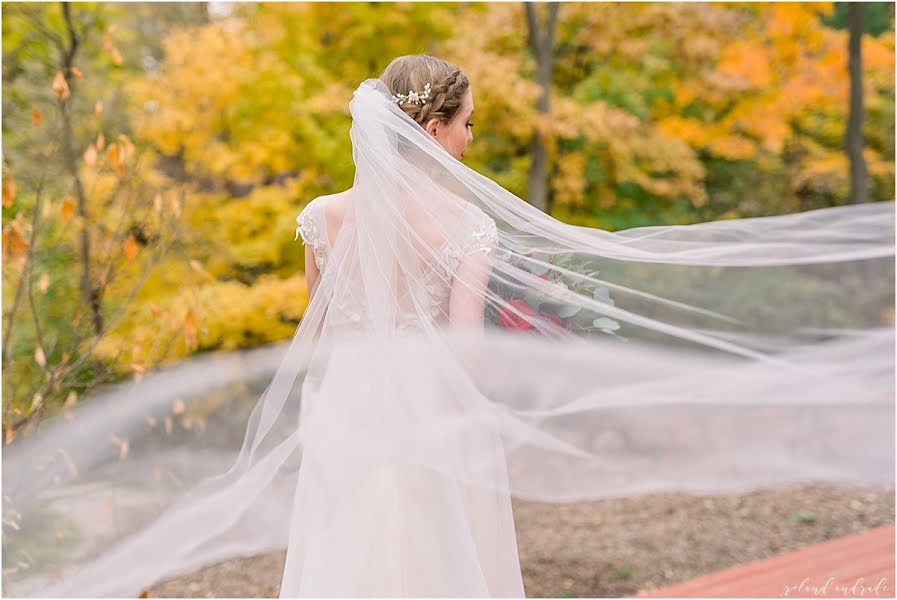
(432, 127)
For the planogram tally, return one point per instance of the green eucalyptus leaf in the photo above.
(601, 293)
(536, 269)
(606, 324)
(568, 310)
(533, 298)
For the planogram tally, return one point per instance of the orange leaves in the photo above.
(803, 90)
(126, 147)
(39, 356)
(197, 266)
(90, 156)
(757, 121)
(783, 21)
(60, 86)
(111, 50)
(691, 131)
(115, 159)
(35, 117)
(780, 65)
(878, 52)
(67, 209)
(77, 73)
(43, 284)
(131, 248)
(14, 241)
(748, 61)
(9, 191)
(823, 8)
(112, 154)
(118, 154)
(190, 331)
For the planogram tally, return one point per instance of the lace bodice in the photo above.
(480, 234)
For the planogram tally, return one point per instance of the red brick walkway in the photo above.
(849, 564)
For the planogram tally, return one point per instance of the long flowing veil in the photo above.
(461, 339)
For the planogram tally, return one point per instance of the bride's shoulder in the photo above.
(333, 205)
(483, 229)
(324, 206)
(310, 207)
(479, 218)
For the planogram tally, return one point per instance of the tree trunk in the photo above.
(92, 294)
(858, 173)
(542, 46)
(859, 191)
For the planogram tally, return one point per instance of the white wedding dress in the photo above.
(395, 528)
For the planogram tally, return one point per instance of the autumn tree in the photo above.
(81, 229)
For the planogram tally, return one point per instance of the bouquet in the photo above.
(524, 305)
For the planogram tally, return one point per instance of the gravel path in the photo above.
(618, 547)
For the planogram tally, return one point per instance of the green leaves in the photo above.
(602, 294)
(605, 324)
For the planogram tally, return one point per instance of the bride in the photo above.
(395, 528)
(460, 347)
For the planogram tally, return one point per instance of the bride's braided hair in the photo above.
(448, 84)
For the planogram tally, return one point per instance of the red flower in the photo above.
(509, 320)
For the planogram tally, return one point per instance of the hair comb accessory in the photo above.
(413, 97)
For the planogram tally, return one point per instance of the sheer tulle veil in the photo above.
(462, 335)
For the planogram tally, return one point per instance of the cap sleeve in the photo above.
(311, 227)
(484, 234)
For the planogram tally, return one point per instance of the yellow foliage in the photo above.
(225, 315)
(691, 131)
(733, 147)
(569, 183)
(259, 228)
(831, 163)
(878, 166)
(181, 107)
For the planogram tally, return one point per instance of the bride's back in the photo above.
(431, 243)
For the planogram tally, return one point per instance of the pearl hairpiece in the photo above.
(412, 96)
